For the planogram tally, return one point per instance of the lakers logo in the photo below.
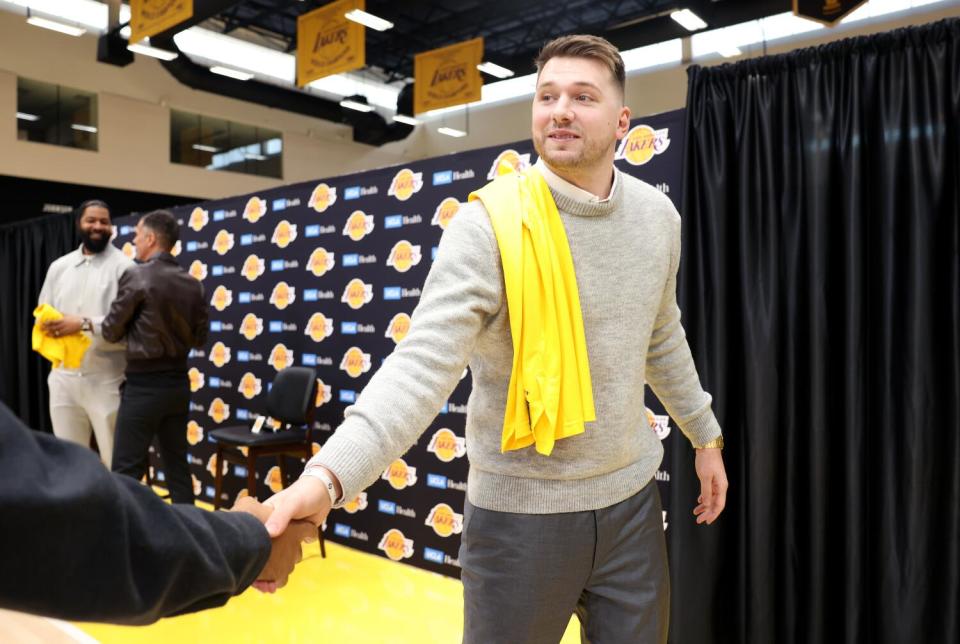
(319, 327)
(196, 379)
(444, 520)
(357, 293)
(508, 161)
(355, 362)
(212, 466)
(403, 255)
(128, 250)
(314, 448)
(398, 328)
(253, 267)
(197, 488)
(284, 233)
(641, 144)
(447, 445)
(251, 326)
(223, 242)
(280, 357)
(324, 394)
(194, 433)
(177, 249)
(256, 208)
(445, 213)
(250, 386)
(222, 298)
(405, 184)
(395, 545)
(358, 504)
(283, 295)
(241, 494)
(358, 226)
(659, 424)
(219, 411)
(198, 219)
(400, 475)
(219, 354)
(274, 479)
(198, 270)
(320, 262)
(322, 197)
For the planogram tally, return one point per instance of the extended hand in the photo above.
(67, 325)
(285, 550)
(713, 485)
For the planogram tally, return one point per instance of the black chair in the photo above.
(292, 401)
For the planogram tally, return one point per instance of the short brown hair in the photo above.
(164, 225)
(585, 46)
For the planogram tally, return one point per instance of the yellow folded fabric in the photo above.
(66, 351)
(550, 395)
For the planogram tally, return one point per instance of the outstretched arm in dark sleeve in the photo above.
(78, 542)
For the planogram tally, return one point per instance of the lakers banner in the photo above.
(151, 17)
(328, 43)
(828, 12)
(327, 274)
(447, 76)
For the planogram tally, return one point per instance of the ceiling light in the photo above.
(368, 20)
(351, 104)
(232, 73)
(205, 148)
(688, 20)
(409, 120)
(494, 70)
(24, 116)
(728, 51)
(84, 128)
(153, 52)
(56, 26)
(449, 131)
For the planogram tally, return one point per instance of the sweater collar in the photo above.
(577, 201)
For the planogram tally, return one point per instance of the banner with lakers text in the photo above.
(327, 274)
(447, 76)
(328, 43)
(151, 17)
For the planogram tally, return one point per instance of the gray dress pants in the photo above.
(524, 575)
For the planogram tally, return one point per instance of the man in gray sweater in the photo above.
(579, 530)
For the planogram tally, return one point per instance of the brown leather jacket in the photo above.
(161, 311)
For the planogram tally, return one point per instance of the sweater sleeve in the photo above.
(81, 543)
(671, 372)
(463, 290)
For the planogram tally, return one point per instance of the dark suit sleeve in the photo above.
(124, 306)
(80, 543)
(201, 326)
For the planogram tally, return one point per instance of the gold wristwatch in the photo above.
(716, 443)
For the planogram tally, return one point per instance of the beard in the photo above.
(94, 244)
(591, 152)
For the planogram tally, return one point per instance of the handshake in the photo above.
(292, 517)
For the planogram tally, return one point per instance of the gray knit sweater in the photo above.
(626, 251)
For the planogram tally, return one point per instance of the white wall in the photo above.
(134, 121)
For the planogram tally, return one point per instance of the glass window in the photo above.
(217, 144)
(56, 114)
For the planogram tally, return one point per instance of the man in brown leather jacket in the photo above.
(161, 311)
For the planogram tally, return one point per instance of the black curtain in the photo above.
(821, 289)
(26, 251)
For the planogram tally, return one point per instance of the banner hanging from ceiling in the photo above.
(328, 43)
(447, 76)
(151, 17)
(827, 12)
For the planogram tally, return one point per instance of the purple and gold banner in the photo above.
(326, 274)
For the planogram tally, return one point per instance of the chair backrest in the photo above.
(293, 397)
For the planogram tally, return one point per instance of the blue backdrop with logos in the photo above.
(326, 274)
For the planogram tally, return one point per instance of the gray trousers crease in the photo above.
(524, 575)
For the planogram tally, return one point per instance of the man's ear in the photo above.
(623, 122)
